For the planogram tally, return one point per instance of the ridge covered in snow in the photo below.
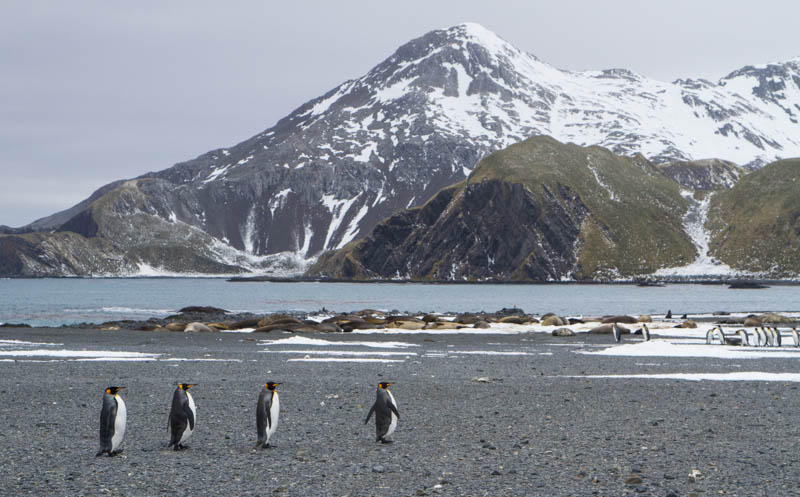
(419, 121)
(422, 119)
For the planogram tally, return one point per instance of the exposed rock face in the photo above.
(419, 121)
(492, 211)
(539, 211)
(703, 175)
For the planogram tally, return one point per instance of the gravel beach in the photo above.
(473, 421)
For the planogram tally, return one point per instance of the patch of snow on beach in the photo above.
(342, 352)
(664, 348)
(341, 359)
(198, 359)
(487, 352)
(737, 376)
(109, 354)
(22, 343)
(299, 340)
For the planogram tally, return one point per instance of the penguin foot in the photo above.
(100, 453)
(384, 441)
(115, 453)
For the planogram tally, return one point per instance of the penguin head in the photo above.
(113, 390)
(271, 385)
(384, 384)
(186, 386)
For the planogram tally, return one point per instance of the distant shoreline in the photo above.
(644, 283)
(744, 283)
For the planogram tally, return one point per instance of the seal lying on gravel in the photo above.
(182, 416)
(386, 414)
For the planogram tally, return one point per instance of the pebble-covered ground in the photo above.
(471, 423)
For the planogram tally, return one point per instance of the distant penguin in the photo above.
(778, 338)
(645, 332)
(113, 417)
(669, 315)
(386, 414)
(745, 342)
(616, 332)
(684, 316)
(182, 416)
(795, 337)
(267, 411)
(762, 337)
(770, 336)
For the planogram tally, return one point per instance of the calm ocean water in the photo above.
(52, 302)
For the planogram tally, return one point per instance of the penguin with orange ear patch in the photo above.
(113, 419)
(267, 411)
(182, 416)
(386, 414)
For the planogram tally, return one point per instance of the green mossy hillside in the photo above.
(755, 226)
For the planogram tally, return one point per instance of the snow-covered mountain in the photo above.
(421, 120)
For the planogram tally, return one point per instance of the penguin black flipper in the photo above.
(107, 416)
(369, 414)
(394, 409)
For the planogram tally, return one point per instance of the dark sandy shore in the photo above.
(529, 431)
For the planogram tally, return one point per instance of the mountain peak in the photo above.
(480, 34)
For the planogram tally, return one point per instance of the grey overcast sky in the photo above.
(94, 91)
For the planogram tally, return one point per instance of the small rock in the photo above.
(633, 480)
(377, 468)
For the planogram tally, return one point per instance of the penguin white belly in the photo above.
(119, 424)
(274, 412)
(188, 431)
(393, 424)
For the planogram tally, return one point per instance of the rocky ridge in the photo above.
(539, 210)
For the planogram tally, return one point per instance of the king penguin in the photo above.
(616, 332)
(386, 414)
(113, 417)
(182, 416)
(267, 411)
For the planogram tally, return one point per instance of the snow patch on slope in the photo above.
(694, 224)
